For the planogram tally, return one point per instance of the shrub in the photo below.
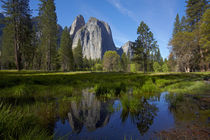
(157, 67)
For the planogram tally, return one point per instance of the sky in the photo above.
(123, 16)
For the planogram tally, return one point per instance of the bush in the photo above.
(157, 67)
(133, 67)
(165, 68)
(98, 67)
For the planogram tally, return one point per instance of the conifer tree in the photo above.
(67, 61)
(48, 26)
(183, 24)
(195, 10)
(177, 26)
(78, 56)
(18, 20)
(144, 45)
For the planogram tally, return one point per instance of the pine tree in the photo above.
(195, 10)
(177, 27)
(7, 51)
(48, 25)
(144, 45)
(19, 21)
(158, 56)
(67, 61)
(78, 56)
(183, 24)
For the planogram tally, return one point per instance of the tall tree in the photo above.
(177, 25)
(7, 51)
(18, 20)
(205, 41)
(195, 10)
(48, 25)
(144, 44)
(184, 47)
(67, 61)
(78, 55)
(183, 24)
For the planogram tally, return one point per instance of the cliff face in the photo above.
(127, 48)
(95, 36)
(78, 23)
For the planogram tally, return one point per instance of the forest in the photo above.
(39, 43)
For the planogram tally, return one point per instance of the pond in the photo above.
(130, 117)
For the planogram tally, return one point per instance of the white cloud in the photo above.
(123, 10)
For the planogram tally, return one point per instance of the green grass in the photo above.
(16, 124)
(33, 100)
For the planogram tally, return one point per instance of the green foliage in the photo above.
(157, 67)
(144, 46)
(78, 56)
(8, 55)
(15, 124)
(186, 53)
(19, 27)
(124, 62)
(112, 89)
(205, 39)
(165, 67)
(195, 10)
(48, 25)
(133, 68)
(111, 61)
(185, 49)
(177, 25)
(98, 67)
(67, 60)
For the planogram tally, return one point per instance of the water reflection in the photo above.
(139, 111)
(89, 112)
(191, 117)
(87, 115)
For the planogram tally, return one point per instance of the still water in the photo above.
(92, 118)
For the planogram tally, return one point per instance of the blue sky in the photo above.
(123, 16)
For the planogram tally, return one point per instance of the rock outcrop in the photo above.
(78, 23)
(95, 36)
(127, 48)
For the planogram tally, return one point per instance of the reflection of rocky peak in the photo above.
(78, 23)
(90, 113)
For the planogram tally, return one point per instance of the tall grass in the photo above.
(15, 124)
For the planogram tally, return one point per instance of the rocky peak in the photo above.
(127, 48)
(78, 23)
(96, 39)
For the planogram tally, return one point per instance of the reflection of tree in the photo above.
(89, 112)
(188, 109)
(140, 112)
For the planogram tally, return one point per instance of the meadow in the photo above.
(31, 101)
